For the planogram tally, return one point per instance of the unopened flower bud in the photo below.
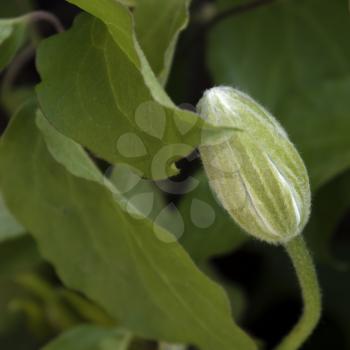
(256, 173)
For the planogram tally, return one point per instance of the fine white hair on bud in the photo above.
(256, 173)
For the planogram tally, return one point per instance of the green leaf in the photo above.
(294, 57)
(11, 99)
(151, 287)
(138, 192)
(17, 256)
(329, 206)
(158, 34)
(89, 337)
(199, 222)
(9, 227)
(99, 90)
(12, 37)
(319, 122)
(10, 9)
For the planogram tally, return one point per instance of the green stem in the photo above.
(311, 294)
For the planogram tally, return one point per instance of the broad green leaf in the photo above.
(9, 227)
(294, 57)
(99, 90)
(152, 288)
(199, 222)
(12, 37)
(141, 193)
(158, 34)
(89, 337)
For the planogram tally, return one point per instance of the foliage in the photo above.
(110, 235)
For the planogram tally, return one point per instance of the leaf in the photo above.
(151, 287)
(202, 226)
(99, 90)
(294, 57)
(319, 122)
(17, 256)
(9, 227)
(326, 217)
(11, 99)
(12, 37)
(89, 337)
(86, 310)
(138, 192)
(158, 35)
(15, 8)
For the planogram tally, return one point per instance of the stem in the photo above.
(46, 17)
(311, 294)
(28, 53)
(11, 74)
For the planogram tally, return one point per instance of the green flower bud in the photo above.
(256, 173)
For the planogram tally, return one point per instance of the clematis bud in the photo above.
(257, 173)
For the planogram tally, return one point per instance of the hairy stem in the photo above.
(311, 294)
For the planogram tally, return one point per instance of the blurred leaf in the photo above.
(117, 108)
(294, 57)
(87, 310)
(319, 122)
(15, 8)
(151, 287)
(58, 315)
(199, 222)
(11, 99)
(12, 37)
(9, 227)
(90, 337)
(33, 314)
(158, 35)
(18, 256)
(329, 206)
